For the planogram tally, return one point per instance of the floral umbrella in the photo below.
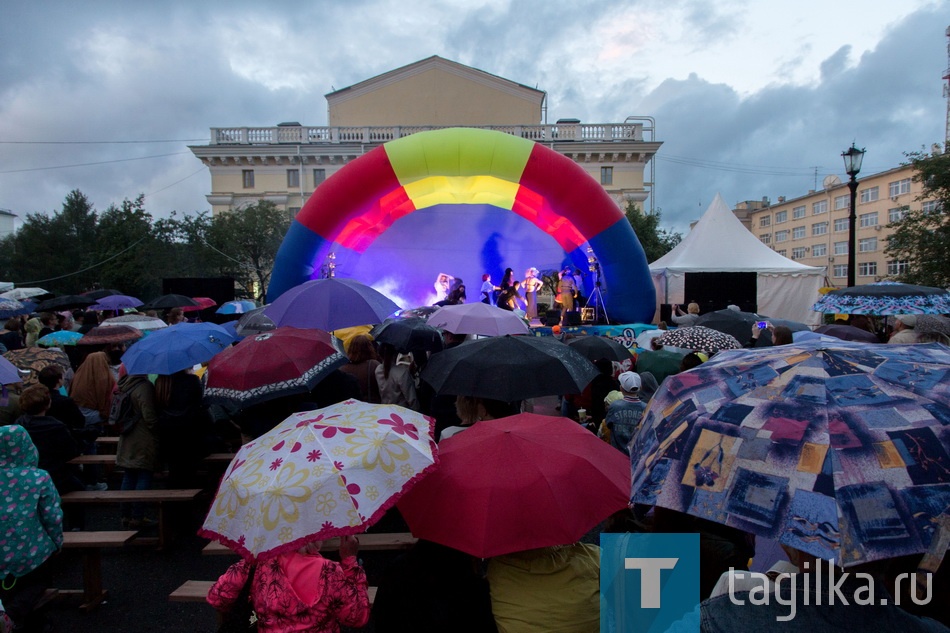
(836, 449)
(34, 359)
(700, 339)
(318, 474)
(885, 298)
(59, 338)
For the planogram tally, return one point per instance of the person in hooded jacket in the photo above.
(300, 590)
(137, 451)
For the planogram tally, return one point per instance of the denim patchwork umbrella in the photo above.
(837, 449)
(176, 347)
(885, 298)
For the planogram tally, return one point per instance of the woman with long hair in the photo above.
(363, 363)
(183, 427)
(92, 388)
(394, 377)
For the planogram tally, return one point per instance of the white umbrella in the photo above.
(137, 321)
(477, 318)
(19, 294)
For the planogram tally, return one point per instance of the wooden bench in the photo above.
(197, 591)
(94, 460)
(91, 544)
(160, 497)
(219, 458)
(368, 542)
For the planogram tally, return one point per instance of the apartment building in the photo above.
(813, 229)
(285, 163)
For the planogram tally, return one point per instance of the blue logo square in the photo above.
(649, 583)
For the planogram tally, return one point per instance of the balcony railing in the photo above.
(283, 134)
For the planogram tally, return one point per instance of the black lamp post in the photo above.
(852, 165)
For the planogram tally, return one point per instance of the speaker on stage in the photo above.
(572, 318)
(552, 317)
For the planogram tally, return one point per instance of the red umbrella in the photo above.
(281, 362)
(518, 483)
(203, 303)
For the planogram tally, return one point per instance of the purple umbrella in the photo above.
(330, 304)
(848, 333)
(115, 302)
(477, 318)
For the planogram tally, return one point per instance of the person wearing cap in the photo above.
(904, 332)
(624, 415)
(688, 319)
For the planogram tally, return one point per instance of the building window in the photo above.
(819, 207)
(897, 267)
(319, 175)
(819, 250)
(606, 175)
(931, 206)
(896, 214)
(798, 252)
(868, 195)
(765, 220)
(839, 270)
(247, 176)
(867, 269)
(766, 238)
(841, 248)
(781, 236)
(798, 232)
(841, 224)
(798, 212)
(781, 216)
(868, 219)
(898, 187)
(842, 202)
(819, 228)
(781, 252)
(293, 211)
(293, 177)
(867, 245)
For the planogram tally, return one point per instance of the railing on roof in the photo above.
(283, 134)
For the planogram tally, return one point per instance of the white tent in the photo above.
(720, 243)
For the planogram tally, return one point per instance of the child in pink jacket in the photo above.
(300, 591)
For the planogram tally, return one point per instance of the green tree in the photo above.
(656, 242)
(922, 238)
(132, 255)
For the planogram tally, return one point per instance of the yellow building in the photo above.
(285, 163)
(813, 229)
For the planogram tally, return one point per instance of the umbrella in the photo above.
(236, 307)
(137, 321)
(9, 374)
(203, 304)
(59, 338)
(115, 302)
(885, 298)
(284, 361)
(477, 318)
(19, 294)
(509, 368)
(421, 312)
(839, 450)
(933, 323)
(848, 333)
(517, 483)
(108, 334)
(700, 338)
(34, 359)
(166, 302)
(319, 474)
(739, 324)
(408, 335)
(597, 347)
(65, 302)
(254, 322)
(102, 292)
(175, 348)
(11, 308)
(330, 304)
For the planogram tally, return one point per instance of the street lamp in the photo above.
(852, 165)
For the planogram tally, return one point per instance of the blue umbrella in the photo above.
(175, 348)
(330, 304)
(236, 307)
(885, 298)
(59, 338)
(9, 373)
(11, 308)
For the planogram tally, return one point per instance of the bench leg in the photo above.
(93, 592)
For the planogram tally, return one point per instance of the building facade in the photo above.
(285, 163)
(813, 229)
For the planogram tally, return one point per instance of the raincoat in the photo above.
(139, 447)
(30, 513)
(298, 592)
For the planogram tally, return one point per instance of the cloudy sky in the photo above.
(750, 98)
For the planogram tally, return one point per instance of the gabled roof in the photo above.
(435, 62)
(720, 243)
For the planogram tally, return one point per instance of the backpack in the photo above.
(121, 415)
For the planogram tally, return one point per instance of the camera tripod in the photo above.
(596, 301)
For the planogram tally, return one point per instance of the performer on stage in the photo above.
(442, 286)
(509, 298)
(488, 289)
(531, 285)
(566, 290)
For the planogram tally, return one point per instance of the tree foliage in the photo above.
(922, 238)
(656, 241)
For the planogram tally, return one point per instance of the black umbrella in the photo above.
(102, 292)
(848, 333)
(170, 301)
(408, 335)
(700, 338)
(739, 324)
(597, 347)
(509, 368)
(65, 302)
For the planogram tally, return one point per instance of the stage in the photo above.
(626, 334)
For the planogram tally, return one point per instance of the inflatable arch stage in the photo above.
(449, 174)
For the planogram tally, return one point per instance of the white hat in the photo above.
(629, 381)
(910, 320)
